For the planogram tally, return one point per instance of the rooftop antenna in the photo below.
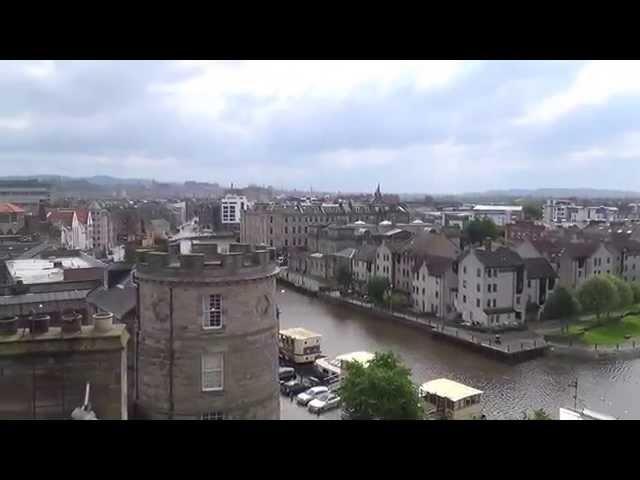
(84, 412)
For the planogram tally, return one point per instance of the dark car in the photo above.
(286, 373)
(294, 387)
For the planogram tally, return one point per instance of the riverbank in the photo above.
(513, 346)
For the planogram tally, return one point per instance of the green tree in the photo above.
(561, 304)
(539, 414)
(479, 229)
(635, 288)
(598, 295)
(532, 211)
(625, 294)
(344, 277)
(381, 390)
(377, 288)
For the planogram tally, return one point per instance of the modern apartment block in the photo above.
(566, 211)
(232, 208)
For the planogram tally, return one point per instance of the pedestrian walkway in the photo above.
(514, 345)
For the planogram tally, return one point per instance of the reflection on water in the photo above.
(605, 385)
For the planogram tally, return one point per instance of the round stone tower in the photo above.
(208, 344)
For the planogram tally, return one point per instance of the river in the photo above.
(607, 386)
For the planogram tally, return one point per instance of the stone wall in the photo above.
(44, 376)
(170, 371)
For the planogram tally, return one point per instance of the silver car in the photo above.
(314, 392)
(324, 402)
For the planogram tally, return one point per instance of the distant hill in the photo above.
(542, 193)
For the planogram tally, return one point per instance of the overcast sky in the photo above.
(418, 126)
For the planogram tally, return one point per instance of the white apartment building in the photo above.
(232, 207)
(499, 214)
(434, 286)
(565, 211)
(491, 286)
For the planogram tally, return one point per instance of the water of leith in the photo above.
(609, 386)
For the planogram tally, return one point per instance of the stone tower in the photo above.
(208, 346)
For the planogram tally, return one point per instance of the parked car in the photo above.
(314, 392)
(294, 387)
(286, 373)
(324, 402)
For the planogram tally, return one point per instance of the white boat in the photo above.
(299, 345)
(333, 368)
(452, 400)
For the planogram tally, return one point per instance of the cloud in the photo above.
(596, 83)
(418, 126)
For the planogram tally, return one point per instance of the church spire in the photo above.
(378, 195)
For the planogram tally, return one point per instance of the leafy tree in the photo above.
(381, 390)
(598, 295)
(625, 294)
(635, 288)
(532, 211)
(376, 289)
(344, 277)
(539, 414)
(479, 229)
(561, 304)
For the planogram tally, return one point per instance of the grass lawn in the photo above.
(609, 333)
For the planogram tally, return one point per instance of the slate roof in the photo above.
(63, 217)
(580, 250)
(83, 215)
(366, 253)
(119, 300)
(499, 258)
(436, 265)
(539, 268)
(28, 298)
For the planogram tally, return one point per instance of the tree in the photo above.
(344, 277)
(598, 295)
(539, 414)
(625, 294)
(479, 229)
(380, 390)
(635, 288)
(376, 289)
(561, 304)
(532, 211)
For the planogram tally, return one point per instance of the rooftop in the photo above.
(10, 208)
(44, 270)
(24, 342)
(299, 333)
(571, 414)
(445, 388)
(505, 208)
(500, 257)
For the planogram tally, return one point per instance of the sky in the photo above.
(413, 126)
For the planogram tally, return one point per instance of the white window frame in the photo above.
(204, 371)
(207, 310)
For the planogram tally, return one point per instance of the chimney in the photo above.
(103, 321)
(487, 244)
(39, 323)
(71, 322)
(8, 325)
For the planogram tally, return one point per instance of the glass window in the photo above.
(477, 287)
(212, 371)
(213, 312)
(464, 299)
(494, 303)
(478, 302)
(479, 273)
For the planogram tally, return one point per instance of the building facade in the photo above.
(208, 344)
(232, 207)
(11, 218)
(27, 194)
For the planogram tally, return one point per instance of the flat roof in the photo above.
(42, 270)
(512, 208)
(454, 391)
(362, 357)
(299, 333)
